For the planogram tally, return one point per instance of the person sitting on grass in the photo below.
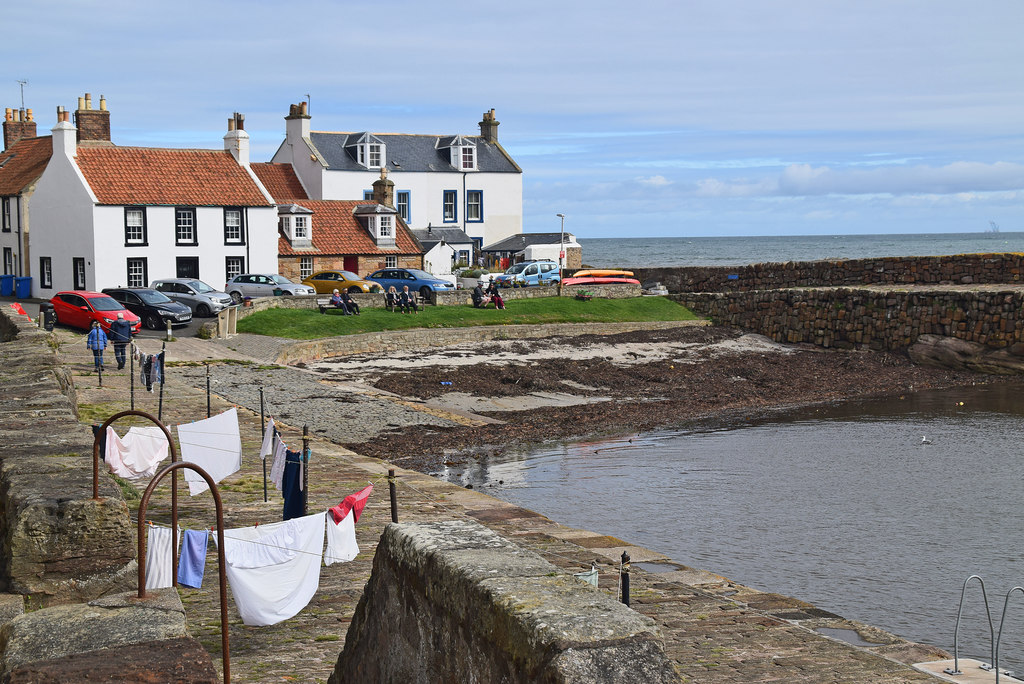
(391, 298)
(407, 300)
(350, 303)
(479, 298)
(492, 292)
(338, 302)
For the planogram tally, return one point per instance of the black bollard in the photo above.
(624, 576)
(394, 495)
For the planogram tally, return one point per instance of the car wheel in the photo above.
(202, 310)
(425, 292)
(152, 321)
(236, 296)
(286, 293)
(354, 290)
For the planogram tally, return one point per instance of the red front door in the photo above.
(352, 264)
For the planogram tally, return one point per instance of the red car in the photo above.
(79, 308)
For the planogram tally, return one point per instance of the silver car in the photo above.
(195, 294)
(264, 285)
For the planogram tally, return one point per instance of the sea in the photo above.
(736, 251)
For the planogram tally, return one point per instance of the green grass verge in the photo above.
(307, 324)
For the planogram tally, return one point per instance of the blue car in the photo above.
(529, 273)
(417, 280)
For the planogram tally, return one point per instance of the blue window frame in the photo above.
(403, 205)
(474, 206)
(450, 212)
(367, 194)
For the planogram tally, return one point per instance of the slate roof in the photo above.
(411, 152)
(518, 243)
(449, 235)
(279, 180)
(22, 163)
(162, 176)
(337, 231)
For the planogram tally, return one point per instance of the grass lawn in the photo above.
(310, 324)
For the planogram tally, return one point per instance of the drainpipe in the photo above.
(21, 247)
(248, 259)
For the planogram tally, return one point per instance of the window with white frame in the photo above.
(134, 226)
(137, 272)
(301, 229)
(185, 226)
(450, 210)
(384, 226)
(233, 266)
(234, 233)
(390, 262)
(468, 158)
(8, 261)
(361, 155)
(305, 267)
(474, 205)
(5, 208)
(375, 154)
(402, 204)
(45, 272)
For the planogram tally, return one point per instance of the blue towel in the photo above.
(193, 558)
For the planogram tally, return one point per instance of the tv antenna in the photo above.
(22, 83)
(309, 104)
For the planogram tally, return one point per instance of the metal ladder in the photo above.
(994, 640)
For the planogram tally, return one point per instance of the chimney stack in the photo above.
(297, 123)
(236, 140)
(93, 124)
(489, 127)
(384, 190)
(18, 124)
(65, 139)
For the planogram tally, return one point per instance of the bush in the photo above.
(473, 272)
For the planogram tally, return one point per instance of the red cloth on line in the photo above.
(353, 502)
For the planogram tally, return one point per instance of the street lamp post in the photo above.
(561, 253)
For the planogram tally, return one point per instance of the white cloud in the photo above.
(656, 181)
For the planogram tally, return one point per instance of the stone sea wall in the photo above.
(961, 269)
(455, 602)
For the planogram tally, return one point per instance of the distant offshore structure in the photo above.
(993, 227)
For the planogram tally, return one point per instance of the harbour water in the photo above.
(732, 251)
(841, 505)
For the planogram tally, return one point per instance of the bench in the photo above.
(324, 304)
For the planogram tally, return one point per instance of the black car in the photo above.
(154, 308)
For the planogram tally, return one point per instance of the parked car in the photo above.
(195, 294)
(325, 282)
(263, 285)
(417, 280)
(154, 308)
(530, 273)
(79, 308)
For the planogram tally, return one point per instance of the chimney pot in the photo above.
(17, 115)
(88, 101)
(305, 109)
(8, 114)
(231, 123)
(240, 118)
(103, 103)
(81, 103)
(29, 113)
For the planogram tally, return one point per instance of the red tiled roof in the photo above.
(23, 162)
(279, 180)
(152, 175)
(337, 231)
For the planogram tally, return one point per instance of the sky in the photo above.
(647, 118)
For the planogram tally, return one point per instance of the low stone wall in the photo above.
(961, 269)
(872, 318)
(455, 602)
(57, 545)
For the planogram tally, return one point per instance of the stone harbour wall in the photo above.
(455, 602)
(961, 269)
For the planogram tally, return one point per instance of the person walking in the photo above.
(97, 341)
(120, 335)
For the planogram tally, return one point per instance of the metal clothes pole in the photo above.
(163, 376)
(263, 429)
(207, 389)
(131, 373)
(394, 495)
(305, 469)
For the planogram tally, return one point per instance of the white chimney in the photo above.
(236, 140)
(297, 123)
(65, 135)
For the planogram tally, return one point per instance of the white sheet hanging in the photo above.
(267, 448)
(341, 540)
(160, 565)
(274, 570)
(138, 454)
(215, 445)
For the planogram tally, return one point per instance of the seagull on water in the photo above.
(925, 440)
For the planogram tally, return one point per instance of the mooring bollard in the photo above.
(394, 495)
(624, 576)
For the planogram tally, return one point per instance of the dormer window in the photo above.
(380, 223)
(385, 227)
(296, 224)
(468, 158)
(369, 151)
(300, 229)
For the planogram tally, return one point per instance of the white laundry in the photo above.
(136, 455)
(274, 570)
(215, 445)
(341, 540)
(277, 469)
(268, 440)
(160, 565)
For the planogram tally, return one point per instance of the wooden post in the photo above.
(394, 495)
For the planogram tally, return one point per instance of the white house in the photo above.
(445, 250)
(104, 216)
(457, 181)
